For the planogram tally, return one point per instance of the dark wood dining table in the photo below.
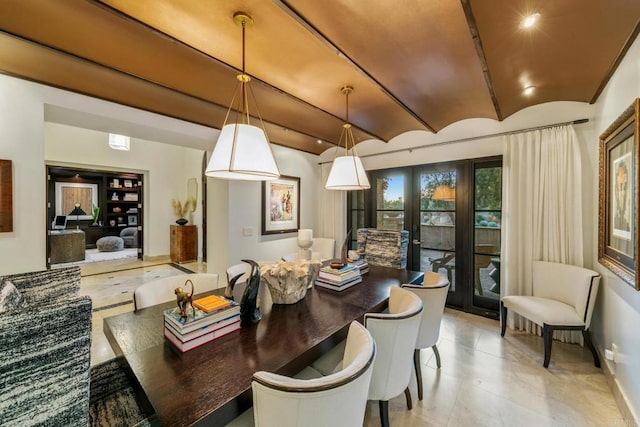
(210, 385)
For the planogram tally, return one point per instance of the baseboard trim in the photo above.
(156, 258)
(629, 418)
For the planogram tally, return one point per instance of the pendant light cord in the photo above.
(245, 114)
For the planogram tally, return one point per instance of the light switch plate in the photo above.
(247, 231)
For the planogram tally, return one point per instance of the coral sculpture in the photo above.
(288, 280)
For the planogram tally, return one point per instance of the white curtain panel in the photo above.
(542, 210)
(333, 207)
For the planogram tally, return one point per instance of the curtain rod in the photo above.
(471, 138)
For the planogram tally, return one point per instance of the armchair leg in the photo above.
(437, 353)
(416, 366)
(547, 334)
(384, 412)
(503, 318)
(587, 340)
(407, 395)
(476, 280)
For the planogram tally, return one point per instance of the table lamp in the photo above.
(77, 211)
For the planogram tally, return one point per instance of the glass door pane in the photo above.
(390, 205)
(487, 225)
(437, 215)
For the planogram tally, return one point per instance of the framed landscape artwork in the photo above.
(68, 194)
(618, 219)
(281, 205)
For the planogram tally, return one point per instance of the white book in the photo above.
(203, 339)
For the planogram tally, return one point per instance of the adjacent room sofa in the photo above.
(45, 348)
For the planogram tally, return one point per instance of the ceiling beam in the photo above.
(313, 30)
(473, 28)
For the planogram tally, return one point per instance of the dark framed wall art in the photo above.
(618, 219)
(281, 205)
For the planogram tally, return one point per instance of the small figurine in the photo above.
(114, 196)
(184, 299)
(249, 311)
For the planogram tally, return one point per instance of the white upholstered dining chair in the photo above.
(563, 298)
(433, 293)
(162, 290)
(326, 246)
(395, 334)
(338, 399)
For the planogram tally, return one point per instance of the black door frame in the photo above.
(463, 298)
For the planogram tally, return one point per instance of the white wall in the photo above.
(23, 106)
(166, 169)
(245, 209)
(617, 314)
(21, 141)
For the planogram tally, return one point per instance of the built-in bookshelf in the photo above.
(123, 202)
(119, 195)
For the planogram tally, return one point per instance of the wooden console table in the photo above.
(184, 243)
(211, 385)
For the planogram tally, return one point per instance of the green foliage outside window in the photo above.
(489, 189)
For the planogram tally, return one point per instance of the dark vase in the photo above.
(181, 221)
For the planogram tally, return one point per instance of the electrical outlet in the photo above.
(614, 350)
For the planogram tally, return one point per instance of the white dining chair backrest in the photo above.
(162, 290)
(326, 247)
(395, 334)
(338, 399)
(433, 294)
(241, 268)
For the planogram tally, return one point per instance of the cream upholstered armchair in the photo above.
(387, 248)
(433, 293)
(130, 237)
(563, 299)
(338, 399)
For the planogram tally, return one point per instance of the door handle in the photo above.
(416, 242)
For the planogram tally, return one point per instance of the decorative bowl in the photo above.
(288, 281)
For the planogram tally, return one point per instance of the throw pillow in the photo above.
(10, 297)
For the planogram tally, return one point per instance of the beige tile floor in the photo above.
(98, 277)
(485, 380)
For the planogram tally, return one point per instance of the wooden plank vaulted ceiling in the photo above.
(415, 65)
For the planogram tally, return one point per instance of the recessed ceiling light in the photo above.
(529, 90)
(319, 141)
(529, 21)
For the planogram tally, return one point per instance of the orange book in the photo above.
(211, 303)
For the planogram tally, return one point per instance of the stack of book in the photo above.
(339, 279)
(213, 317)
(362, 265)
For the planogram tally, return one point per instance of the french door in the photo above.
(453, 214)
